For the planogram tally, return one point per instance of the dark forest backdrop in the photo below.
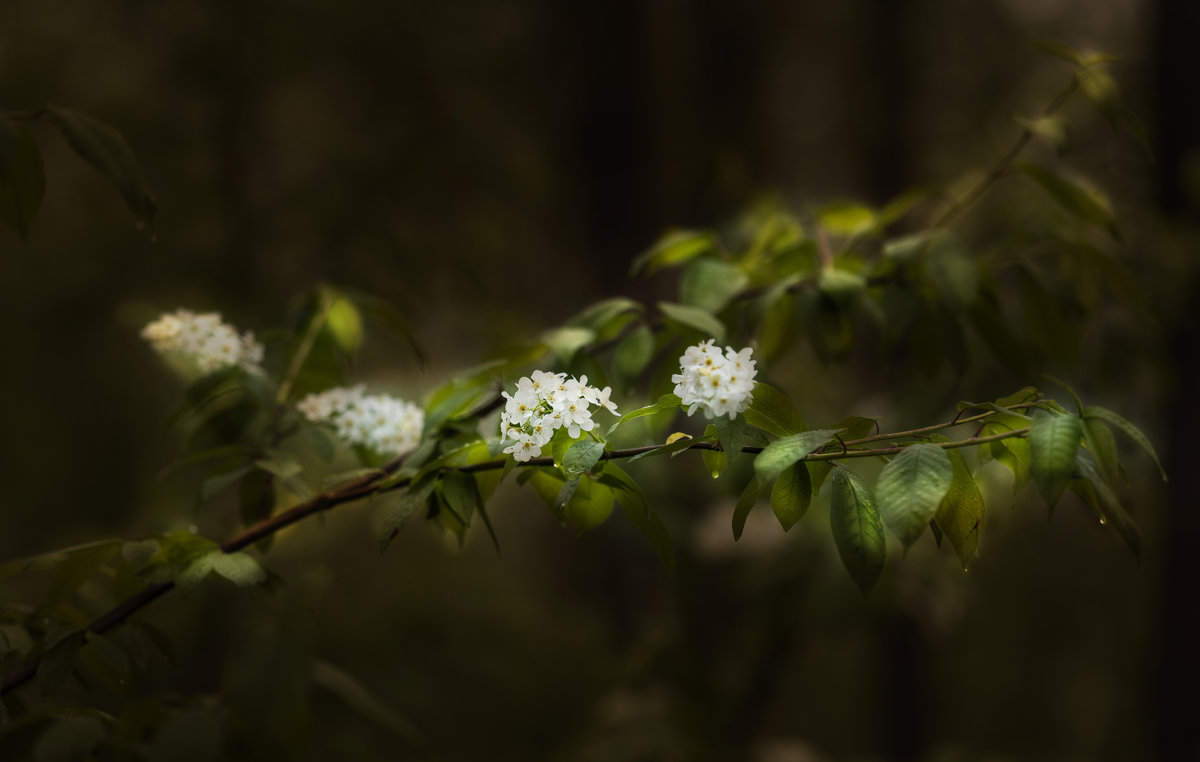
(444, 156)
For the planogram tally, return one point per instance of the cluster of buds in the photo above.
(204, 341)
(545, 402)
(385, 424)
(718, 384)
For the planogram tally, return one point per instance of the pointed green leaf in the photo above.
(665, 402)
(22, 179)
(695, 318)
(745, 503)
(785, 451)
(398, 510)
(565, 342)
(911, 488)
(461, 495)
(631, 356)
(1131, 431)
(1099, 439)
(590, 506)
(771, 411)
(960, 514)
(1071, 197)
(847, 218)
(1053, 442)
(582, 456)
(106, 150)
(1091, 488)
(791, 495)
(857, 529)
(674, 248)
(715, 461)
(731, 433)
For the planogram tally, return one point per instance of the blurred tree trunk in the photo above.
(1178, 140)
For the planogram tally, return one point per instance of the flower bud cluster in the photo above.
(204, 341)
(545, 402)
(387, 425)
(718, 384)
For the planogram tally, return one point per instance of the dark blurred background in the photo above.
(491, 167)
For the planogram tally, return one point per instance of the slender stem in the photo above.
(1000, 168)
(303, 348)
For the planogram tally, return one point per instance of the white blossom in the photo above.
(203, 341)
(718, 384)
(544, 402)
(385, 424)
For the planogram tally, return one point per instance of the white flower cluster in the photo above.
(545, 402)
(203, 340)
(387, 425)
(719, 384)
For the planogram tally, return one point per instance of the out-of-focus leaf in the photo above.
(565, 342)
(398, 510)
(857, 529)
(58, 663)
(710, 284)
(1131, 431)
(1058, 50)
(22, 178)
(674, 248)
(106, 150)
(1071, 197)
(847, 218)
(771, 411)
(694, 318)
(239, 568)
(1052, 129)
(744, 505)
(1091, 488)
(77, 568)
(344, 323)
(911, 488)
(631, 356)
(1053, 444)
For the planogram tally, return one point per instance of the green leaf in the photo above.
(1053, 443)
(1131, 431)
(710, 284)
(960, 515)
(745, 503)
(785, 451)
(857, 529)
(1052, 129)
(461, 495)
(1071, 197)
(633, 503)
(731, 433)
(674, 248)
(695, 318)
(1098, 86)
(106, 150)
(665, 402)
(1091, 488)
(565, 342)
(631, 356)
(177, 551)
(22, 178)
(1103, 445)
(582, 456)
(601, 316)
(847, 218)
(77, 568)
(345, 325)
(110, 651)
(1058, 50)
(791, 495)
(239, 568)
(398, 509)
(911, 488)
(771, 411)
(213, 485)
(590, 506)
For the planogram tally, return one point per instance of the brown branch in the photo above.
(368, 484)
